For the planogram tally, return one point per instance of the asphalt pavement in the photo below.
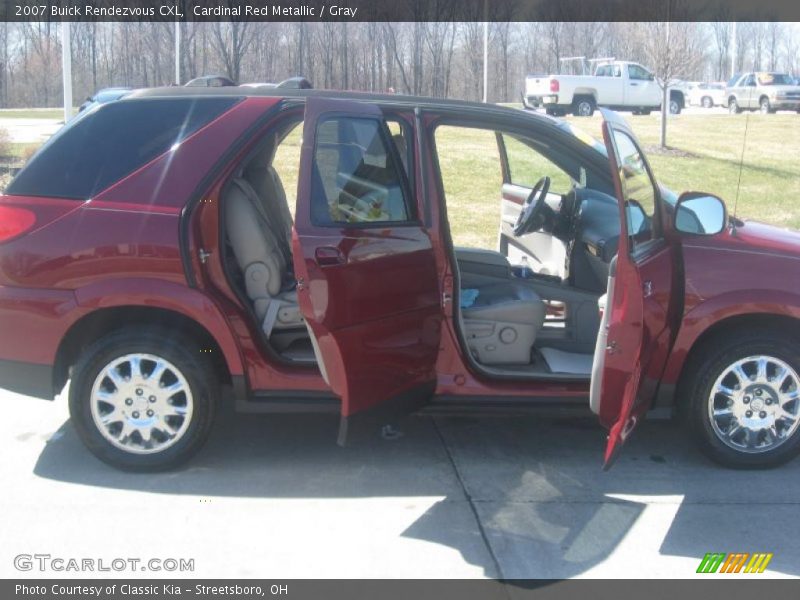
(274, 497)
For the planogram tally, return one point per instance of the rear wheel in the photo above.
(707, 102)
(745, 407)
(733, 106)
(583, 107)
(675, 107)
(765, 107)
(142, 400)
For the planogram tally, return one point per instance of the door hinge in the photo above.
(204, 255)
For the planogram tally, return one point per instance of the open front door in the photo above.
(643, 303)
(365, 269)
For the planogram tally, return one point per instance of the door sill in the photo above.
(552, 406)
(288, 402)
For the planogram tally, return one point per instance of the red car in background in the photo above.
(149, 256)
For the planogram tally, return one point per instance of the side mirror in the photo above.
(636, 217)
(698, 213)
(651, 77)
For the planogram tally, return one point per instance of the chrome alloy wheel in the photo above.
(754, 404)
(141, 403)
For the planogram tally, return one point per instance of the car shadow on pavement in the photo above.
(530, 489)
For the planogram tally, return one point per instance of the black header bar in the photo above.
(400, 10)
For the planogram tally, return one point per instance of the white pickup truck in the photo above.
(619, 85)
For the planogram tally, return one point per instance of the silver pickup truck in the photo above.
(767, 92)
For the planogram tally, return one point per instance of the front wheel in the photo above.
(142, 400)
(674, 107)
(745, 403)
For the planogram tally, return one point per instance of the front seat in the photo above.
(257, 249)
(502, 322)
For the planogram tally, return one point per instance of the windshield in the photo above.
(774, 79)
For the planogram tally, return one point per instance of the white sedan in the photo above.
(708, 95)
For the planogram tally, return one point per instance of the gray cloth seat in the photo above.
(502, 323)
(262, 176)
(256, 229)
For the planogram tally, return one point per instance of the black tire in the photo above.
(645, 112)
(709, 366)
(765, 107)
(707, 102)
(733, 106)
(675, 106)
(583, 106)
(182, 353)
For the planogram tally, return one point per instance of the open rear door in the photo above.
(364, 263)
(644, 295)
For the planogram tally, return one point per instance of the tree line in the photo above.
(435, 58)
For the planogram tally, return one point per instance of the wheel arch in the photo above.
(586, 93)
(718, 330)
(677, 94)
(104, 321)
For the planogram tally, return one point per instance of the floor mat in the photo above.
(567, 362)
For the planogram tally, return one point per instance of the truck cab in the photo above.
(615, 84)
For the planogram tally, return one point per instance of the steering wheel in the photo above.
(531, 216)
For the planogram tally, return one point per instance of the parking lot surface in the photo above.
(274, 497)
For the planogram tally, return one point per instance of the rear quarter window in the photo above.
(118, 138)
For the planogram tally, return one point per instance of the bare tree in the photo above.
(672, 50)
(231, 41)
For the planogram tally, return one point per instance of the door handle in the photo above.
(634, 84)
(328, 256)
(647, 289)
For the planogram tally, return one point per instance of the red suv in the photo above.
(149, 256)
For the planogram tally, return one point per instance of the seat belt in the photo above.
(271, 317)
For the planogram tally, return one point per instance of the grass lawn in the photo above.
(34, 113)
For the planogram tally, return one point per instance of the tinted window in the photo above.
(111, 142)
(357, 177)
